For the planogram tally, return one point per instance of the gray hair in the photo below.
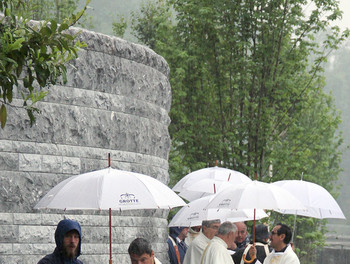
(226, 228)
(207, 223)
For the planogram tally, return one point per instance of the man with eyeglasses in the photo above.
(196, 248)
(282, 251)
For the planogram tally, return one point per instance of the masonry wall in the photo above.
(116, 101)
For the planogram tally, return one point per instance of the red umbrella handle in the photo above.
(110, 236)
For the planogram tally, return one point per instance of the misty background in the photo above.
(337, 82)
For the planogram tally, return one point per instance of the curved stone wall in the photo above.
(116, 101)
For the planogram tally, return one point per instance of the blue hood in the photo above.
(63, 227)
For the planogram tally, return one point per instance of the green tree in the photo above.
(247, 83)
(59, 10)
(31, 55)
(119, 27)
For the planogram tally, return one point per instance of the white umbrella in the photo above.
(110, 189)
(255, 195)
(203, 188)
(208, 181)
(318, 201)
(194, 213)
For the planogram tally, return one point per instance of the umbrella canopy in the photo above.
(203, 188)
(318, 201)
(208, 181)
(255, 195)
(110, 188)
(194, 213)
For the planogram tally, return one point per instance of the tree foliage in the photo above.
(247, 83)
(32, 55)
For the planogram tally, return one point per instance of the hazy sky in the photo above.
(345, 7)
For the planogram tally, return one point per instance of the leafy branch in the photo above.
(35, 54)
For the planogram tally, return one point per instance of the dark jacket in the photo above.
(243, 243)
(56, 257)
(173, 233)
(260, 253)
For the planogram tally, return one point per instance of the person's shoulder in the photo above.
(48, 259)
(171, 243)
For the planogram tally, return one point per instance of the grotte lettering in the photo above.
(128, 201)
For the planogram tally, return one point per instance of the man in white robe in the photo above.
(197, 246)
(282, 252)
(216, 251)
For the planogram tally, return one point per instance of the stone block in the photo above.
(11, 235)
(6, 249)
(51, 219)
(6, 218)
(27, 219)
(94, 258)
(8, 161)
(30, 162)
(91, 248)
(51, 164)
(71, 165)
(36, 234)
(33, 249)
(6, 145)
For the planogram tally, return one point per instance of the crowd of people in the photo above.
(230, 243)
(211, 243)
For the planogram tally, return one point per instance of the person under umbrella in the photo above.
(177, 247)
(216, 251)
(242, 238)
(193, 232)
(261, 245)
(195, 250)
(110, 189)
(282, 251)
(68, 244)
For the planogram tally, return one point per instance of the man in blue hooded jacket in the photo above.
(68, 244)
(177, 247)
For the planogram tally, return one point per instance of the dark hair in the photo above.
(284, 229)
(261, 233)
(140, 246)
